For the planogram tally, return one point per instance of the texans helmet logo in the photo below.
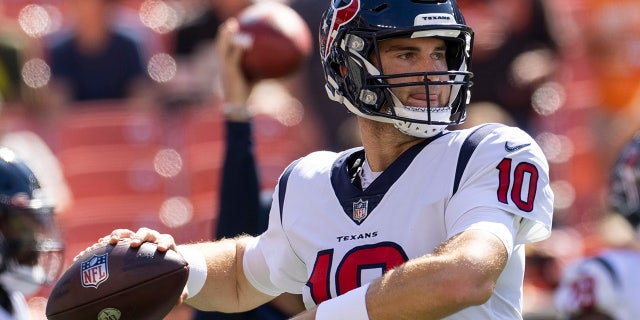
(340, 15)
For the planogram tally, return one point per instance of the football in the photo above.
(277, 37)
(117, 282)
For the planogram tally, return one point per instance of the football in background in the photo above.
(119, 282)
(278, 40)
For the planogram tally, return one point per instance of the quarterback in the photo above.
(418, 223)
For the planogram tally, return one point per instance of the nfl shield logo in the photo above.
(94, 271)
(360, 210)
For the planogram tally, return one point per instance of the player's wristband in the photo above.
(351, 305)
(235, 112)
(197, 269)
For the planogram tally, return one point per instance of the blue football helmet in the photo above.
(31, 250)
(624, 183)
(349, 37)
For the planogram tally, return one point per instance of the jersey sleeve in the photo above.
(509, 172)
(499, 223)
(265, 256)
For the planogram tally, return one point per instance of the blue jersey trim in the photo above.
(468, 147)
(282, 185)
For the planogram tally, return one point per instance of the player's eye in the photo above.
(405, 55)
(438, 55)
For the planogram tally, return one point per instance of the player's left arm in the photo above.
(462, 272)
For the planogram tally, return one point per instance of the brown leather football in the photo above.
(117, 282)
(279, 40)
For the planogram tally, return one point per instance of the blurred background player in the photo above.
(606, 286)
(30, 246)
(242, 210)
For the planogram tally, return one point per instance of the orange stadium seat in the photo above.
(111, 150)
(203, 152)
(109, 124)
(277, 145)
(111, 170)
(203, 124)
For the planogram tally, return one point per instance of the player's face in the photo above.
(411, 55)
(19, 231)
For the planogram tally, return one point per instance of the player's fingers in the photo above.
(224, 40)
(116, 235)
(163, 241)
(144, 235)
(166, 242)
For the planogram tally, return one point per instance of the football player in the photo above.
(30, 245)
(420, 222)
(606, 286)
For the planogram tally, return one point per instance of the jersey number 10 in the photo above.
(522, 173)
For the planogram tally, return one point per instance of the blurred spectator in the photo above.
(513, 54)
(15, 49)
(93, 60)
(10, 64)
(605, 286)
(241, 209)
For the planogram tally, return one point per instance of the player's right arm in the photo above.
(462, 272)
(225, 287)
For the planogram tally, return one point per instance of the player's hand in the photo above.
(162, 240)
(230, 47)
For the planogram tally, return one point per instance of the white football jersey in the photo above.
(20, 308)
(327, 236)
(608, 282)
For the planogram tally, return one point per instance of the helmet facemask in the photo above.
(377, 101)
(32, 248)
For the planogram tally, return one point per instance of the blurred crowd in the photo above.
(565, 71)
